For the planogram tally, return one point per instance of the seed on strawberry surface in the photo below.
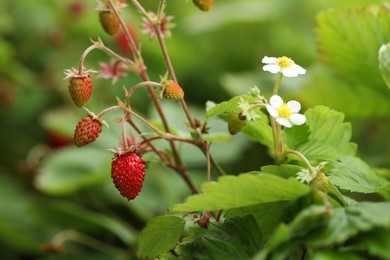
(87, 131)
(204, 5)
(128, 173)
(173, 91)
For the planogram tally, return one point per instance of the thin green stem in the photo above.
(143, 84)
(277, 84)
(107, 110)
(99, 44)
(304, 159)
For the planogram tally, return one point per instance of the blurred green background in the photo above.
(52, 193)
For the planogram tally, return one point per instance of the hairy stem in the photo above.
(304, 159)
(83, 56)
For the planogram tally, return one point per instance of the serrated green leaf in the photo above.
(236, 238)
(349, 40)
(351, 173)
(329, 135)
(160, 235)
(71, 169)
(243, 190)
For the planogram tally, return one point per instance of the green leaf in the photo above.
(349, 95)
(260, 131)
(320, 228)
(329, 135)
(73, 216)
(230, 105)
(346, 222)
(351, 173)
(243, 190)
(267, 215)
(349, 40)
(71, 169)
(376, 242)
(160, 235)
(285, 170)
(296, 136)
(236, 238)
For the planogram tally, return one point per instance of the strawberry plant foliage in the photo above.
(299, 205)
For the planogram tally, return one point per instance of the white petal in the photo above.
(290, 72)
(298, 69)
(271, 68)
(298, 119)
(295, 106)
(276, 101)
(268, 60)
(284, 122)
(272, 111)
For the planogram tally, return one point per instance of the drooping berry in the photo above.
(204, 5)
(235, 123)
(173, 91)
(80, 89)
(109, 21)
(87, 130)
(121, 41)
(128, 173)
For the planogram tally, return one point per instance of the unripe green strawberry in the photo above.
(320, 182)
(109, 21)
(173, 91)
(80, 89)
(204, 5)
(128, 173)
(235, 123)
(87, 130)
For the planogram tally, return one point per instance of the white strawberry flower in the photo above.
(285, 114)
(282, 64)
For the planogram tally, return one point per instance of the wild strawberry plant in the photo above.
(304, 206)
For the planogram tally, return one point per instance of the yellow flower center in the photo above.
(284, 62)
(284, 111)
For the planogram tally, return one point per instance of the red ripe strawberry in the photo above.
(80, 89)
(173, 91)
(128, 173)
(204, 5)
(87, 130)
(121, 40)
(109, 21)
